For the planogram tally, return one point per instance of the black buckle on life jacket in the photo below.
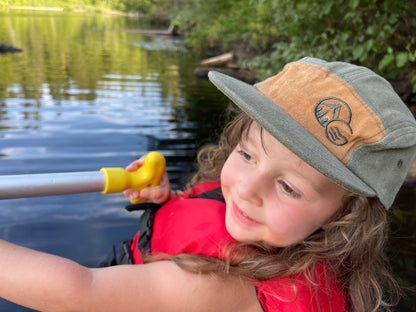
(142, 206)
(146, 231)
(146, 224)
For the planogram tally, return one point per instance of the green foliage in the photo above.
(377, 34)
(200, 21)
(380, 34)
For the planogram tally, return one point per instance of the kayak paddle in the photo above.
(106, 181)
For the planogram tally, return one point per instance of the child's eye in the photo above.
(245, 155)
(288, 190)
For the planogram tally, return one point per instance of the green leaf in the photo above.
(401, 59)
(326, 8)
(358, 52)
(387, 59)
(354, 4)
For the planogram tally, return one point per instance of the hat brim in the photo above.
(288, 132)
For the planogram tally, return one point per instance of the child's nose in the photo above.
(250, 188)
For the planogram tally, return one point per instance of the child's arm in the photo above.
(50, 283)
(157, 194)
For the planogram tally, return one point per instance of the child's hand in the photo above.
(158, 194)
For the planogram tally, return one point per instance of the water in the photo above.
(79, 98)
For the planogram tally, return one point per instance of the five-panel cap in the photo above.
(343, 120)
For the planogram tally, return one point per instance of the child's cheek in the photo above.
(225, 182)
(228, 173)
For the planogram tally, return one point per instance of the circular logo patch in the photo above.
(334, 115)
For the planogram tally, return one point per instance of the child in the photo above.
(286, 213)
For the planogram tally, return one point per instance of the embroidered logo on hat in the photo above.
(334, 115)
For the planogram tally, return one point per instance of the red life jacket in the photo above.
(196, 225)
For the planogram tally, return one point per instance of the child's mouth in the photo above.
(242, 217)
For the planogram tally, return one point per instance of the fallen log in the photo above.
(225, 63)
(220, 60)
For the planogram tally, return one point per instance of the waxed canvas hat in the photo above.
(343, 120)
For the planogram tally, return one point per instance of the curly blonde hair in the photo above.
(352, 242)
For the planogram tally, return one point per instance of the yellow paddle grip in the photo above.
(149, 174)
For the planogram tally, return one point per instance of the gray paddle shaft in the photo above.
(46, 184)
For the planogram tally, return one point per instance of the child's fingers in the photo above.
(158, 194)
(136, 164)
(155, 194)
(131, 194)
(165, 181)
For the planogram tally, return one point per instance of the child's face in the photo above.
(272, 195)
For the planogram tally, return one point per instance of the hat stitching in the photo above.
(358, 142)
(399, 126)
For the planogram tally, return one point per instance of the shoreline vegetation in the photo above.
(266, 35)
(253, 57)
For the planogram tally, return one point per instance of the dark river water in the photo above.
(79, 98)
